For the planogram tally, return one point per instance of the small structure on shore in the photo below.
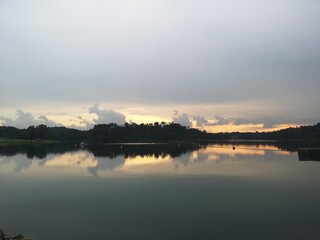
(309, 154)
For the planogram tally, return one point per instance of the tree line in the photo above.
(153, 132)
(304, 133)
(156, 132)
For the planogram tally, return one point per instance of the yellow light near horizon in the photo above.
(72, 120)
(284, 153)
(145, 118)
(135, 161)
(230, 152)
(69, 120)
(282, 126)
(80, 159)
(234, 128)
(246, 128)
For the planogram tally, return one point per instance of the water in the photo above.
(257, 191)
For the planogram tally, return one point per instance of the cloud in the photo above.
(219, 120)
(44, 120)
(181, 119)
(200, 121)
(267, 122)
(106, 116)
(26, 119)
(86, 124)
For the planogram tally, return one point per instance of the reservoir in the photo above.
(159, 191)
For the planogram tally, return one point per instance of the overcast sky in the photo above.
(204, 62)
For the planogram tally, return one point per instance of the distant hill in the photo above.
(157, 132)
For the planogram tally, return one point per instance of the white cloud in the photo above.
(107, 116)
(182, 119)
(26, 119)
(200, 120)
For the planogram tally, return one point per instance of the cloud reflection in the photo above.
(106, 165)
(126, 160)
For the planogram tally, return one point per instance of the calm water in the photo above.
(257, 191)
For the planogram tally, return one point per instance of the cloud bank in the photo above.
(267, 122)
(200, 121)
(26, 119)
(182, 119)
(107, 116)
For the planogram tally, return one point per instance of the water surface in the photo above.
(255, 191)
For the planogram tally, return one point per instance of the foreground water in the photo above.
(255, 191)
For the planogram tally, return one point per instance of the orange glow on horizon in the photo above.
(73, 120)
(230, 152)
(247, 128)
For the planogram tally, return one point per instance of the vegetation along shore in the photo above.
(156, 132)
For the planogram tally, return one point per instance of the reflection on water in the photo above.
(309, 154)
(108, 150)
(161, 159)
(159, 191)
(93, 159)
(135, 159)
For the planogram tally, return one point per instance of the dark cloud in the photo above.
(200, 121)
(267, 122)
(219, 120)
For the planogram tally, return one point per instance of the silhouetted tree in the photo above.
(163, 132)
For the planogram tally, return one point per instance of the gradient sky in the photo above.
(219, 65)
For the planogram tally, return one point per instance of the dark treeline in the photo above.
(305, 133)
(44, 132)
(110, 133)
(157, 132)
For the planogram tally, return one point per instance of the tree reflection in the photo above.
(110, 150)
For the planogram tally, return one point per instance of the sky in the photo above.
(237, 65)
